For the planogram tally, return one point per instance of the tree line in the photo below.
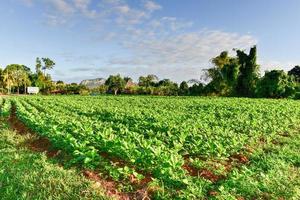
(15, 78)
(236, 76)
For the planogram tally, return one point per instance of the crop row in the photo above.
(85, 143)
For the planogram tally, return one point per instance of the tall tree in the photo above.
(16, 75)
(196, 89)
(167, 87)
(8, 80)
(127, 79)
(38, 65)
(248, 72)
(221, 60)
(223, 75)
(48, 64)
(115, 83)
(184, 88)
(295, 72)
(21, 79)
(147, 81)
(229, 74)
(1, 80)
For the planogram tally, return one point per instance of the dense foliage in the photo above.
(158, 136)
(295, 72)
(276, 84)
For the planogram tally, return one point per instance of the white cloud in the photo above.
(123, 13)
(83, 7)
(191, 48)
(267, 65)
(175, 24)
(117, 11)
(28, 3)
(124, 9)
(59, 12)
(152, 6)
(62, 6)
(180, 57)
(54, 20)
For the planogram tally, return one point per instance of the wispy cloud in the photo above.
(83, 7)
(152, 6)
(28, 3)
(267, 65)
(180, 56)
(191, 48)
(60, 12)
(168, 46)
(62, 6)
(55, 20)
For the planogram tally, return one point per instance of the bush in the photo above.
(102, 89)
(3, 91)
(297, 95)
(276, 84)
(84, 92)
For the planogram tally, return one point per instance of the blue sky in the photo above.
(171, 38)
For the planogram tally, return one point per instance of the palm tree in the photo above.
(38, 65)
(8, 79)
(16, 75)
(21, 78)
(48, 64)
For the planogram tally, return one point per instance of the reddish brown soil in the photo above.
(141, 186)
(16, 124)
(146, 180)
(117, 161)
(207, 174)
(212, 193)
(249, 149)
(240, 158)
(41, 144)
(204, 173)
(232, 161)
(141, 194)
(190, 169)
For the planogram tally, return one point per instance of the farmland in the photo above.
(174, 147)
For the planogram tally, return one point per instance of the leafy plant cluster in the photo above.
(5, 107)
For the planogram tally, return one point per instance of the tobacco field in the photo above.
(174, 147)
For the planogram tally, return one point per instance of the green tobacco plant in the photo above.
(156, 136)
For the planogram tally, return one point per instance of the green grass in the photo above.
(30, 175)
